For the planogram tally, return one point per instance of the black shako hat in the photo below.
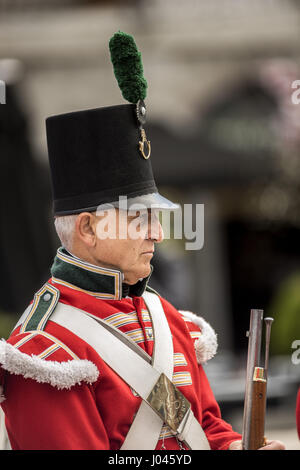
(98, 155)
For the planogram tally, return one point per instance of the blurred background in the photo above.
(224, 132)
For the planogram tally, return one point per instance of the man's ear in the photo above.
(86, 228)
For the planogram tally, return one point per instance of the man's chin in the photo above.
(141, 274)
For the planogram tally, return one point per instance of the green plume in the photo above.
(128, 67)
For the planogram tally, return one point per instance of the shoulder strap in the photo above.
(146, 428)
(37, 314)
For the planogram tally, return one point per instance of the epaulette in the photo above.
(36, 354)
(44, 303)
(206, 343)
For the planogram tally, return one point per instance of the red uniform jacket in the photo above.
(60, 394)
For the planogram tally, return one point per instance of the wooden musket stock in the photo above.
(257, 420)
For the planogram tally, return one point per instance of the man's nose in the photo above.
(155, 231)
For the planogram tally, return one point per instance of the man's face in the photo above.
(125, 241)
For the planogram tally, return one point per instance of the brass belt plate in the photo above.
(168, 402)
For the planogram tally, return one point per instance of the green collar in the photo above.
(100, 282)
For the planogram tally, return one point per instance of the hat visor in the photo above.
(145, 201)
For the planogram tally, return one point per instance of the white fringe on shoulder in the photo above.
(62, 375)
(206, 346)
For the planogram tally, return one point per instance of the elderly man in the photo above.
(99, 360)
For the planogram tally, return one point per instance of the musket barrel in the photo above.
(254, 348)
(268, 323)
